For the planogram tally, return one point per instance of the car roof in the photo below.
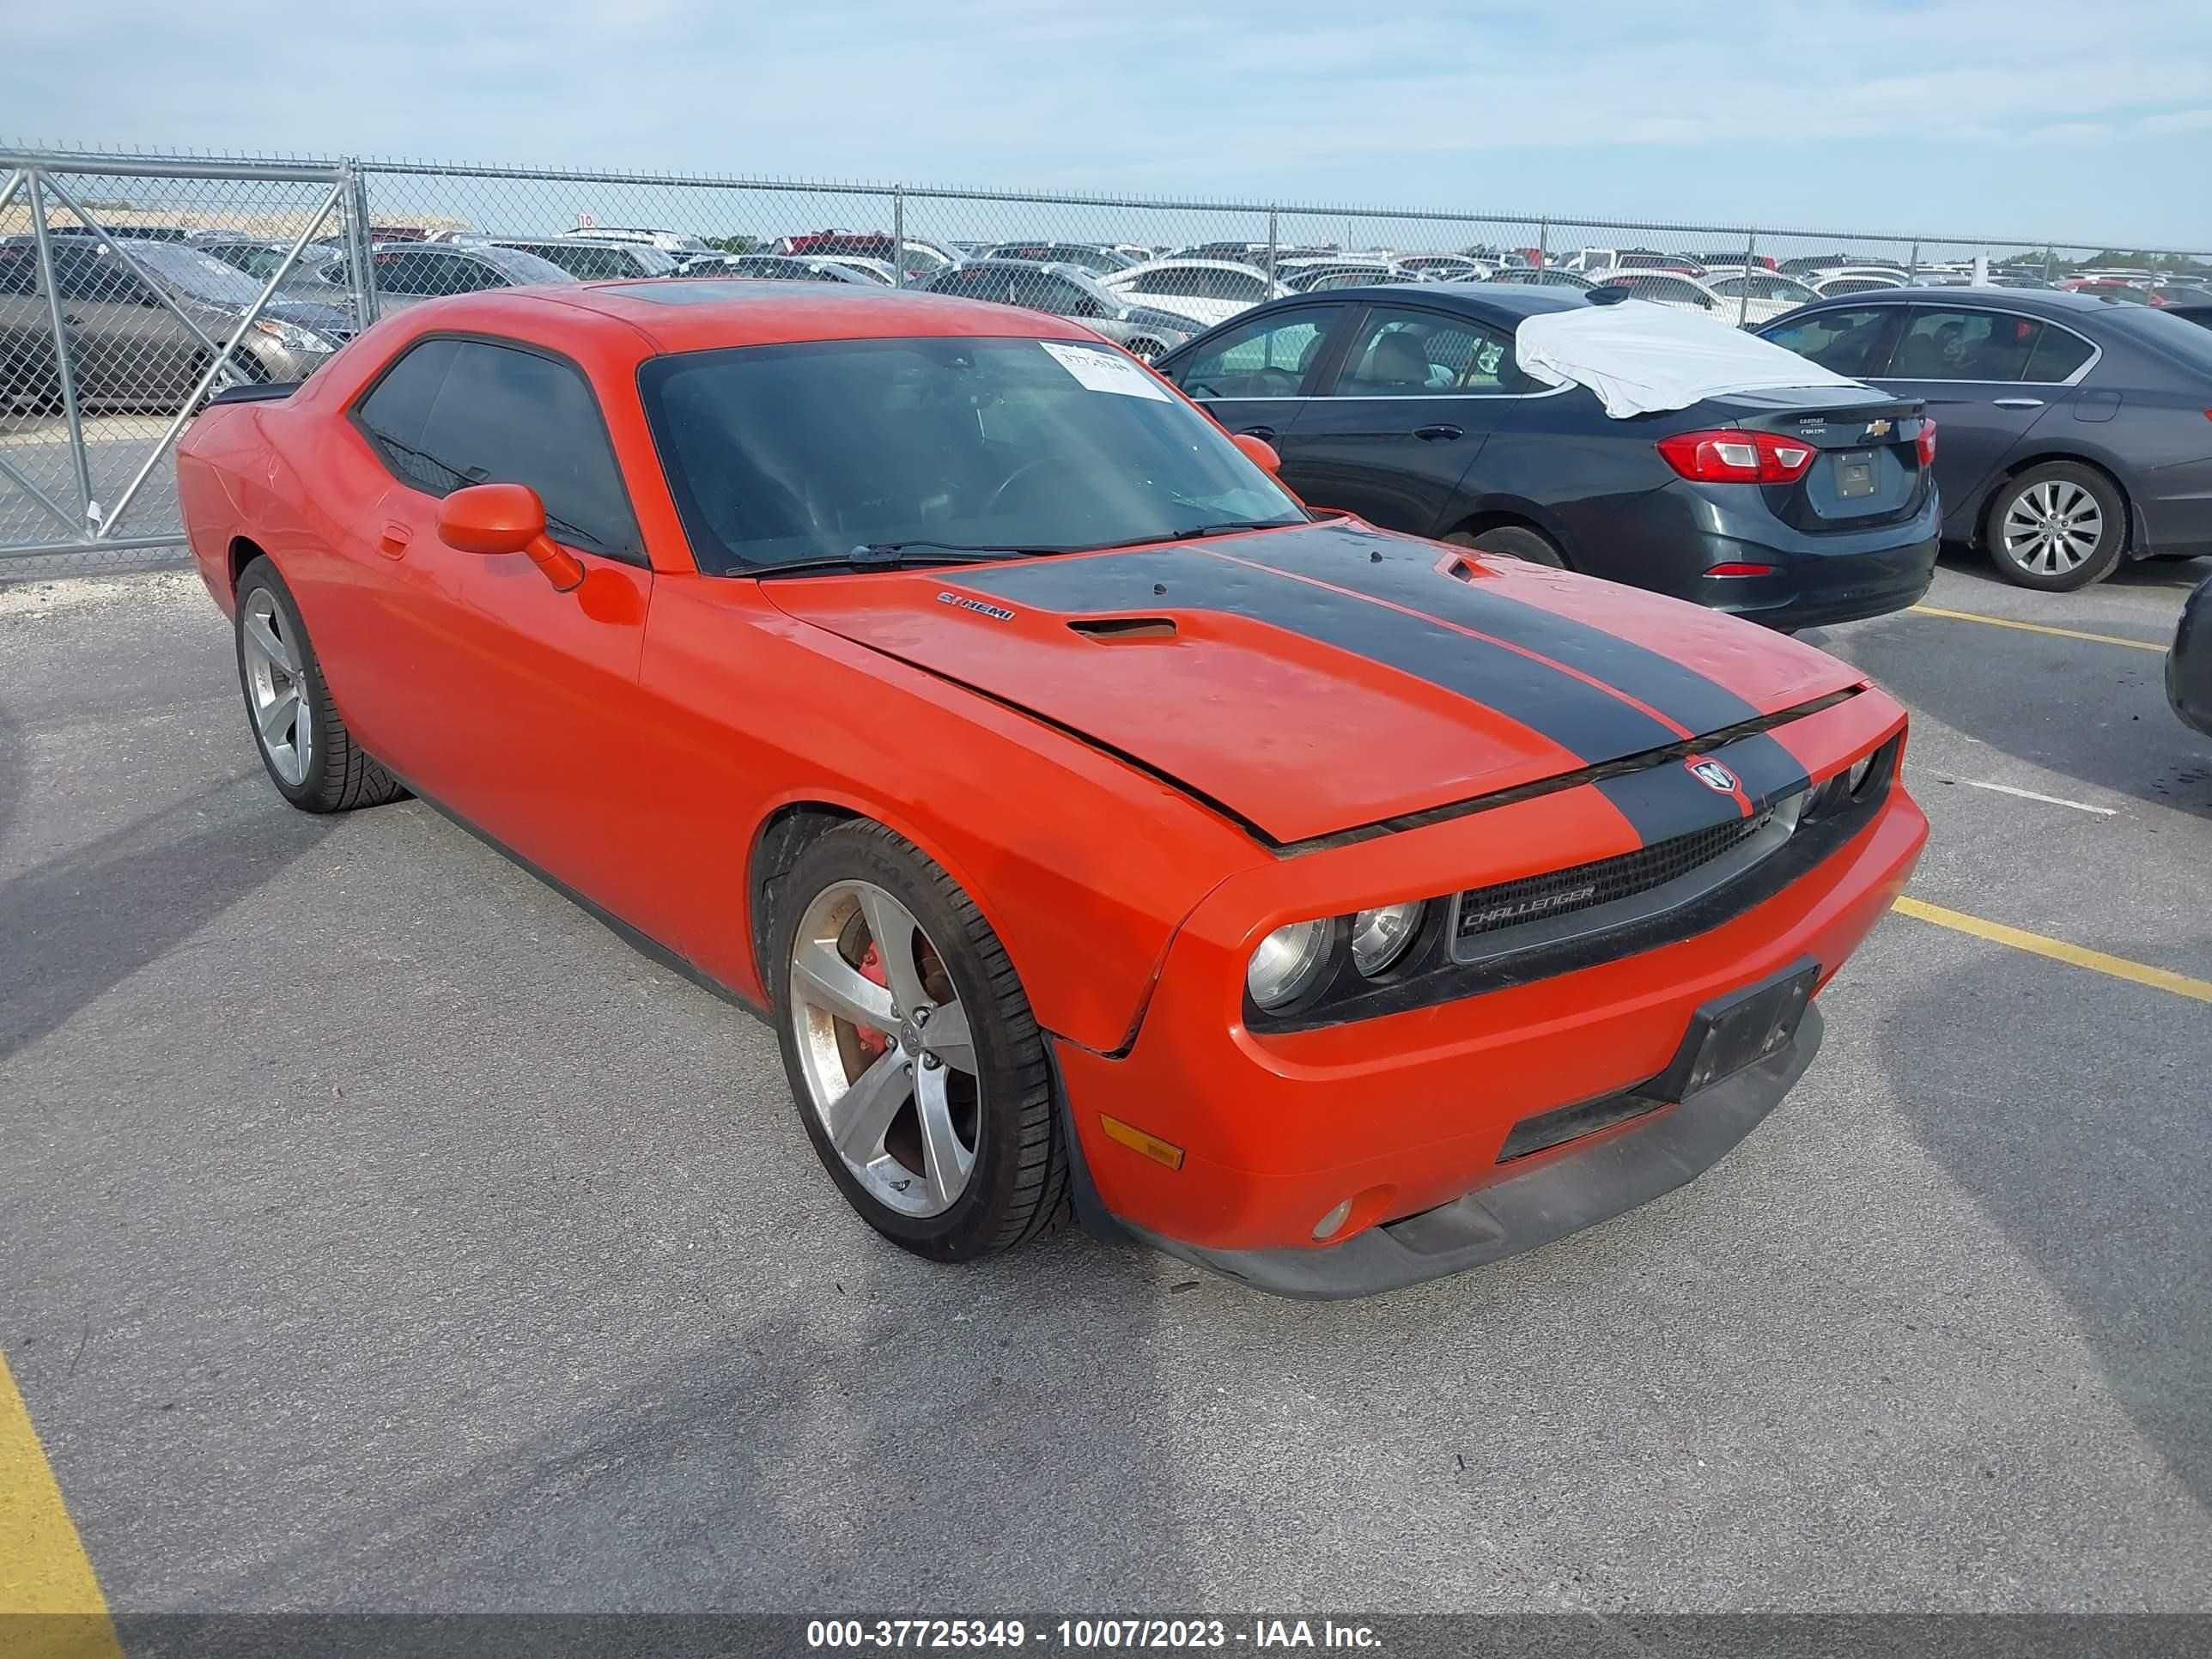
(2045, 301)
(1178, 263)
(1496, 301)
(704, 313)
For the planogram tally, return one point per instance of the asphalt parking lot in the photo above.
(381, 1232)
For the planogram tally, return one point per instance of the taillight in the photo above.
(1729, 456)
(1927, 444)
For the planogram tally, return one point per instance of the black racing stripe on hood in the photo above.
(1668, 800)
(1407, 574)
(1585, 721)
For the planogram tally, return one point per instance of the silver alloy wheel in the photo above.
(889, 1065)
(283, 719)
(2053, 527)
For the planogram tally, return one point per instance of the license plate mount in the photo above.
(1740, 1030)
(1855, 474)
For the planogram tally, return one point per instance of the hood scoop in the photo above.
(1123, 631)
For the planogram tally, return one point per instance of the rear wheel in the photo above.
(309, 754)
(1511, 541)
(2056, 527)
(917, 1067)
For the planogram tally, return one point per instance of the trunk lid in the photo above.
(1866, 472)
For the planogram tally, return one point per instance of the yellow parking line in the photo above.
(2035, 627)
(50, 1607)
(2058, 951)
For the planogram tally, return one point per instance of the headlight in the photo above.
(1855, 779)
(292, 336)
(1380, 936)
(1288, 964)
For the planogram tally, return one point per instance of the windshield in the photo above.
(781, 453)
(200, 275)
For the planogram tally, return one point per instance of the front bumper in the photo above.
(1247, 1138)
(1597, 1178)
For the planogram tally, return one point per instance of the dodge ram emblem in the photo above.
(1715, 776)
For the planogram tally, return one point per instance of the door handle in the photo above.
(1435, 434)
(392, 544)
(1266, 435)
(2019, 402)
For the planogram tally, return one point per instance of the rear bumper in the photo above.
(1674, 536)
(1606, 1176)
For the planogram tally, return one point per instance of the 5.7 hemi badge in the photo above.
(997, 611)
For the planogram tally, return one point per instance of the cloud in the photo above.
(2008, 110)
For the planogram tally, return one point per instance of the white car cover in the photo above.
(1641, 358)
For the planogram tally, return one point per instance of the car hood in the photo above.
(1330, 677)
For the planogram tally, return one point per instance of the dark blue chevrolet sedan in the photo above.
(2076, 428)
(1406, 405)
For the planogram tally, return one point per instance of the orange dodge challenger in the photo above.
(1101, 830)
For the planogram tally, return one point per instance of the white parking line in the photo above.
(2048, 800)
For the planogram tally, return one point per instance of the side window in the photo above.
(1966, 345)
(456, 412)
(1061, 297)
(1848, 341)
(2057, 355)
(461, 275)
(403, 270)
(1160, 281)
(1230, 285)
(1267, 358)
(1666, 291)
(1416, 353)
(18, 268)
(96, 277)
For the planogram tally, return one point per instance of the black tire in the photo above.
(340, 775)
(1018, 1189)
(1511, 541)
(2102, 561)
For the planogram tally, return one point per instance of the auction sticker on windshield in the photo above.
(1104, 371)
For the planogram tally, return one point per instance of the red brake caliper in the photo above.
(872, 1043)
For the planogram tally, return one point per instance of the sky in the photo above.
(2076, 120)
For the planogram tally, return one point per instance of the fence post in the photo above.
(1750, 263)
(898, 235)
(2050, 258)
(1271, 244)
(1543, 243)
(1912, 265)
(62, 365)
(358, 243)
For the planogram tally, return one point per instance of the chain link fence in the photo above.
(133, 287)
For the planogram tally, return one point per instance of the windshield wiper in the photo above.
(1195, 532)
(902, 555)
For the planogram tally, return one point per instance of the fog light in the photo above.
(1336, 1219)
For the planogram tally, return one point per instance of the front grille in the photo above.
(1585, 886)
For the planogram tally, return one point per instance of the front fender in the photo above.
(1083, 864)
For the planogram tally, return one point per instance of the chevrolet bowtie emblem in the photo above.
(1877, 429)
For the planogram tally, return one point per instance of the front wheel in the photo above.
(2057, 527)
(917, 1067)
(309, 754)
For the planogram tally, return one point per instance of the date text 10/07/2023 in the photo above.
(1261, 1634)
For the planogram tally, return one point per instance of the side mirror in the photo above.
(505, 518)
(1260, 453)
